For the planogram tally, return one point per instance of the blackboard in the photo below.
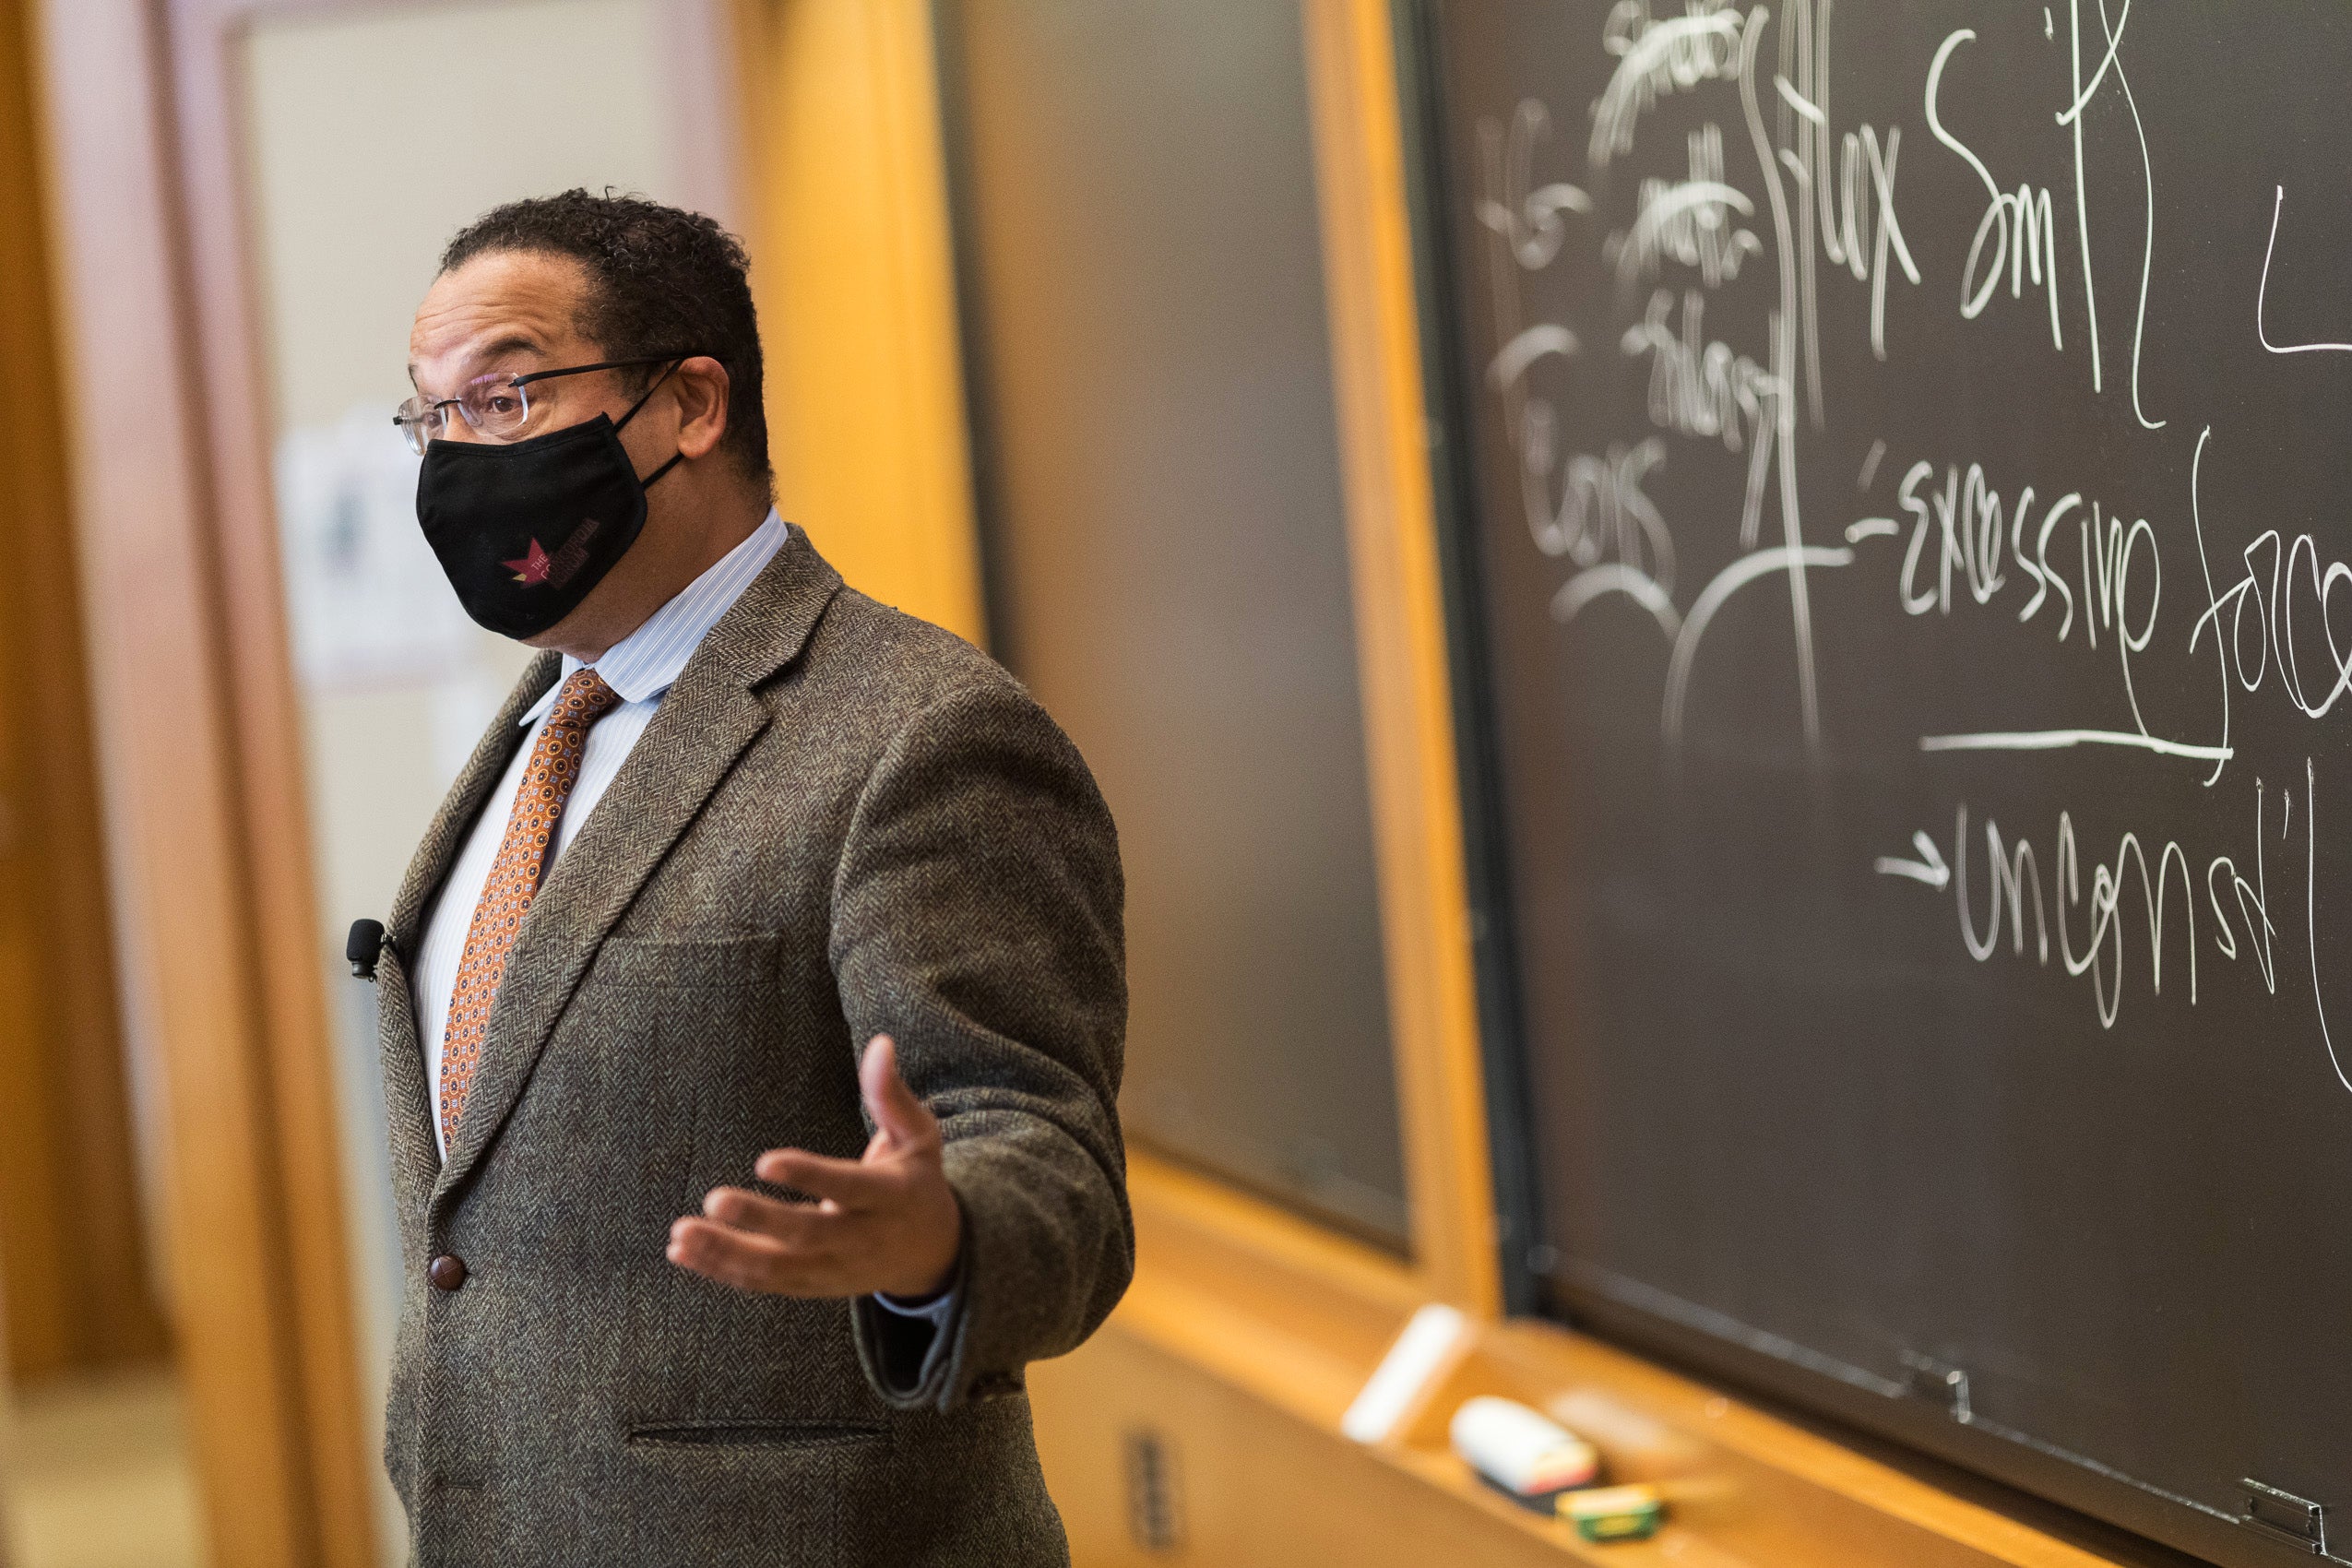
(1909, 452)
(1166, 546)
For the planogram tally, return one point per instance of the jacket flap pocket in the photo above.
(734, 1431)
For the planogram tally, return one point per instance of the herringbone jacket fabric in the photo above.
(840, 821)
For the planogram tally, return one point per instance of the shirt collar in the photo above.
(642, 665)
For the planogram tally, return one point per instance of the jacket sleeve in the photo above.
(977, 919)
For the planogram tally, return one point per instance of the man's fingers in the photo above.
(731, 1257)
(849, 1182)
(793, 1224)
(749, 1261)
(884, 1221)
(889, 1101)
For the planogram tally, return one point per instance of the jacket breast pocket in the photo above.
(713, 1012)
(604, 1136)
(691, 963)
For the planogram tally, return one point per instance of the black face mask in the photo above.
(525, 530)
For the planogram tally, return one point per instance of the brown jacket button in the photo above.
(446, 1272)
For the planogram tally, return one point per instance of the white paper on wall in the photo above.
(366, 600)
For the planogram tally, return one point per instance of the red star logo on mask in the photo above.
(531, 568)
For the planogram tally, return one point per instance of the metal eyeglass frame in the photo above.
(411, 426)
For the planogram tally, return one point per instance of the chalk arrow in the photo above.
(1929, 868)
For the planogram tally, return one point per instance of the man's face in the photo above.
(508, 312)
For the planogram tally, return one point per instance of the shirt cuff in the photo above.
(911, 1354)
(936, 1311)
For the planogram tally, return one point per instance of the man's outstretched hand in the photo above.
(887, 1221)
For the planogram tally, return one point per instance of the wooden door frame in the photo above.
(73, 1259)
(199, 736)
(165, 698)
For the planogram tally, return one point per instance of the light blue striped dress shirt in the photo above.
(640, 668)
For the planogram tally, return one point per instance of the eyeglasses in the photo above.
(498, 407)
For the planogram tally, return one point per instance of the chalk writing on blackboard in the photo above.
(1808, 199)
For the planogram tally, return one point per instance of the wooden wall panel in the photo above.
(1254, 1486)
(71, 1254)
(854, 271)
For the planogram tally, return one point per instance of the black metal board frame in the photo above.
(1932, 1416)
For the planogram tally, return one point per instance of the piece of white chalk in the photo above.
(1425, 1346)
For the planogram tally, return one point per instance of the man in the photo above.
(670, 1297)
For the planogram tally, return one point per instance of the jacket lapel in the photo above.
(415, 1155)
(710, 714)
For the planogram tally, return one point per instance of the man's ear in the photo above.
(701, 385)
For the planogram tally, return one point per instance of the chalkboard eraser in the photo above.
(1523, 1452)
(1614, 1513)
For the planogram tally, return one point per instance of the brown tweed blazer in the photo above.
(842, 821)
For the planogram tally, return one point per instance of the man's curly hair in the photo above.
(661, 281)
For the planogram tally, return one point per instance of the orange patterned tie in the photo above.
(514, 882)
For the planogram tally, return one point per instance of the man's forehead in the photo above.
(495, 308)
